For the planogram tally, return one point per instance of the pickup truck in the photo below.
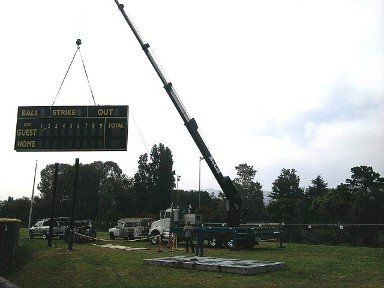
(130, 228)
(41, 228)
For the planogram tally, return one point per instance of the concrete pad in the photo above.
(120, 247)
(244, 267)
(4, 283)
(245, 270)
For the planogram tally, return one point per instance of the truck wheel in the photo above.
(153, 238)
(45, 236)
(213, 241)
(30, 235)
(230, 244)
(111, 236)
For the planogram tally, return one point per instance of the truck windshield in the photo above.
(119, 225)
(132, 224)
(145, 223)
(63, 223)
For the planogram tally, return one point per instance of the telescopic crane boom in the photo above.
(233, 198)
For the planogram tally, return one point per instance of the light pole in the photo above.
(200, 158)
(177, 181)
(30, 207)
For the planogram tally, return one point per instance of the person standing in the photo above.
(200, 237)
(188, 233)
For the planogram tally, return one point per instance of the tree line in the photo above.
(105, 193)
(359, 200)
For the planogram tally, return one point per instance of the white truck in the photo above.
(162, 226)
(130, 228)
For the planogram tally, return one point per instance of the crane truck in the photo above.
(171, 220)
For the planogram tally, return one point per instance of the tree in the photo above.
(286, 186)
(142, 185)
(287, 198)
(318, 188)
(162, 177)
(101, 188)
(367, 188)
(334, 206)
(364, 178)
(212, 207)
(104, 192)
(64, 188)
(15, 208)
(154, 180)
(359, 200)
(251, 193)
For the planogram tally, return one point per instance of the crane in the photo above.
(233, 199)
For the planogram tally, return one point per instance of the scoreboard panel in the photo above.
(71, 128)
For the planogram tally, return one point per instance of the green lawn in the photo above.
(91, 266)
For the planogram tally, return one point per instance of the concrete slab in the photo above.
(120, 247)
(245, 267)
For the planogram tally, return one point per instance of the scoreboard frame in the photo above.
(71, 128)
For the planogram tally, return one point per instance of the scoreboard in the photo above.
(72, 128)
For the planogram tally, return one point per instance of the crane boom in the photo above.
(232, 196)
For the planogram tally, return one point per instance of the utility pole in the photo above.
(200, 158)
(33, 193)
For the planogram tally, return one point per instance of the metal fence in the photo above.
(371, 235)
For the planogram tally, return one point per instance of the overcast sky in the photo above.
(275, 84)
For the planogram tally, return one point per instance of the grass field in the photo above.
(91, 266)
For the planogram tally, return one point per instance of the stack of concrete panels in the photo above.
(245, 267)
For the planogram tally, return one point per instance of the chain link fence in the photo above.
(370, 235)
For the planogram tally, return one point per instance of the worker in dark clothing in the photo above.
(188, 236)
(201, 232)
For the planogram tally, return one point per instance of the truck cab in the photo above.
(180, 218)
(130, 228)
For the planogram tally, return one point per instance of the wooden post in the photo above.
(158, 239)
(72, 223)
(281, 237)
(53, 203)
(171, 242)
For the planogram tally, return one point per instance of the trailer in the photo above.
(218, 234)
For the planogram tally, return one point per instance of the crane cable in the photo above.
(78, 43)
(138, 129)
(86, 74)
